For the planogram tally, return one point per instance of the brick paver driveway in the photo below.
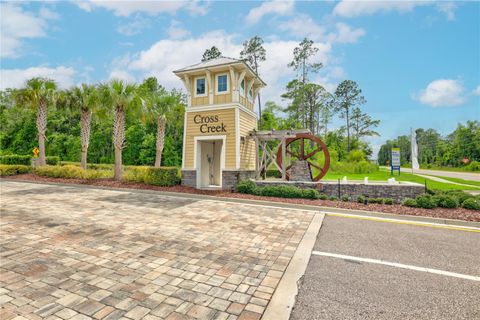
(80, 253)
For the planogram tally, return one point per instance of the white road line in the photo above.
(398, 265)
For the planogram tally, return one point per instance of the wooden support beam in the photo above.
(284, 156)
(257, 158)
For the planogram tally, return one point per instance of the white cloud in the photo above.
(167, 55)
(177, 31)
(448, 8)
(443, 93)
(302, 26)
(126, 8)
(137, 25)
(476, 91)
(271, 7)
(121, 75)
(359, 8)
(16, 78)
(349, 9)
(17, 24)
(345, 34)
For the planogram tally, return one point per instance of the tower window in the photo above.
(222, 83)
(200, 86)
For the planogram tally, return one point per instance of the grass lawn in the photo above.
(384, 175)
(452, 169)
(457, 180)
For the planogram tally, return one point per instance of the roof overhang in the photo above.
(199, 70)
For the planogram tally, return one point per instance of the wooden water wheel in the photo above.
(317, 145)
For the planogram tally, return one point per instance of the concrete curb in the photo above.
(283, 299)
(326, 210)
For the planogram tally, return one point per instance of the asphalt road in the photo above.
(449, 174)
(339, 288)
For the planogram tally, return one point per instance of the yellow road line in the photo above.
(407, 222)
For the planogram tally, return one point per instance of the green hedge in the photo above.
(163, 176)
(280, 191)
(13, 169)
(71, 172)
(16, 159)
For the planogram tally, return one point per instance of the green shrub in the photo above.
(356, 156)
(471, 203)
(322, 196)
(13, 169)
(353, 167)
(459, 195)
(53, 160)
(135, 174)
(375, 200)
(247, 186)
(361, 199)
(71, 172)
(332, 198)
(388, 201)
(16, 159)
(426, 201)
(163, 176)
(68, 172)
(101, 166)
(281, 191)
(445, 201)
(274, 173)
(472, 166)
(345, 198)
(310, 194)
(408, 202)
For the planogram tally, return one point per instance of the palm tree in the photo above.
(86, 99)
(38, 94)
(122, 97)
(158, 104)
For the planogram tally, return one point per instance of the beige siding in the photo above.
(247, 149)
(217, 98)
(227, 117)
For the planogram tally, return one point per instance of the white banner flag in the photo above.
(415, 164)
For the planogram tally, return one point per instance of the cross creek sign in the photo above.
(395, 164)
(209, 124)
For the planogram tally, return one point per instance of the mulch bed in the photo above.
(458, 213)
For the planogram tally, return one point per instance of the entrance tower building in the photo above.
(219, 116)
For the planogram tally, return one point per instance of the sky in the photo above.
(417, 63)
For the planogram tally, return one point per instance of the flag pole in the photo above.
(411, 147)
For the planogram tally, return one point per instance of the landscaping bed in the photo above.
(457, 213)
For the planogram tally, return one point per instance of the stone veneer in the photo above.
(229, 178)
(397, 192)
(189, 178)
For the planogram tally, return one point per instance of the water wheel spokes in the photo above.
(318, 146)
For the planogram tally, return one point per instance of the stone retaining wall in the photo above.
(397, 192)
(229, 178)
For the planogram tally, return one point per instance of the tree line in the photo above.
(111, 102)
(456, 149)
(142, 124)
